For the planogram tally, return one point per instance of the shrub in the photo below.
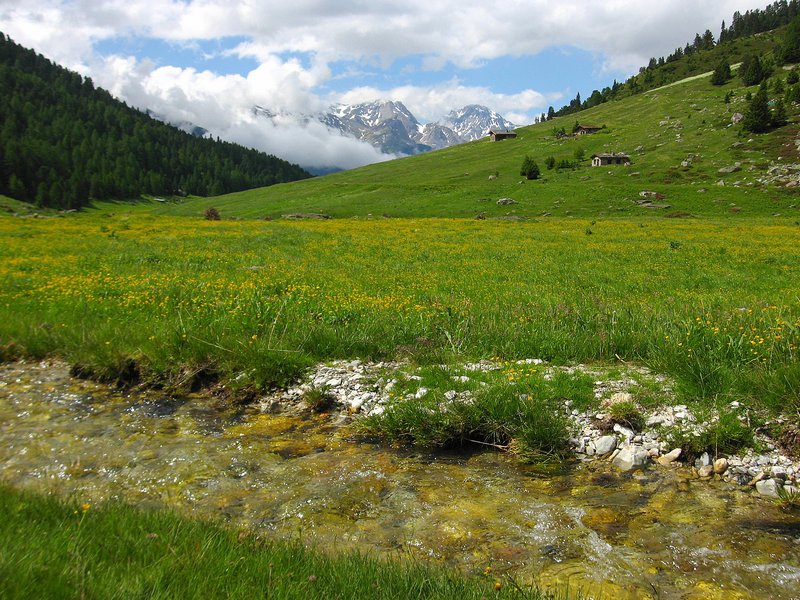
(211, 214)
(726, 435)
(757, 118)
(524, 419)
(550, 163)
(627, 414)
(318, 399)
(721, 74)
(529, 168)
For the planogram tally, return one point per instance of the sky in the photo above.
(209, 62)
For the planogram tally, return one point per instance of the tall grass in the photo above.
(186, 302)
(58, 549)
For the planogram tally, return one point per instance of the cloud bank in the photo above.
(296, 44)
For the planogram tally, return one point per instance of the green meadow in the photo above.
(702, 287)
(659, 129)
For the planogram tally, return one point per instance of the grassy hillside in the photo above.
(660, 129)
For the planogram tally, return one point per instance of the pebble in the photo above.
(361, 387)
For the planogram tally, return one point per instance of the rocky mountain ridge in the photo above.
(389, 126)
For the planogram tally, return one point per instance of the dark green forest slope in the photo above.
(64, 142)
(755, 33)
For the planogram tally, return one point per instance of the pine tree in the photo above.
(779, 118)
(789, 51)
(721, 74)
(757, 117)
(751, 71)
(529, 169)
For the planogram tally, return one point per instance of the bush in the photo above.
(727, 435)
(318, 398)
(757, 117)
(721, 74)
(529, 169)
(211, 214)
(524, 419)
(627, 414)
(550, 162)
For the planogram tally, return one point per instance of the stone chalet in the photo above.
(586, 129)
(614, 158)
(502, 134)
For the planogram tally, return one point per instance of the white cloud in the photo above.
(623, 34)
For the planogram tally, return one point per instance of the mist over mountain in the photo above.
(389, 125)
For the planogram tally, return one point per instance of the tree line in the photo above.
(64, 142)
(702, 54)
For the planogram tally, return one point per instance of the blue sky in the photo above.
(209, 62)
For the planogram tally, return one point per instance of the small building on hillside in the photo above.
(586, 129)
(502, 134)
(610, 158)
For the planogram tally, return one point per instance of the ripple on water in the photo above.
(650, 535)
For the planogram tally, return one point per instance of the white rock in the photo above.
(605, 444)
(420, 393)
(450, 394)
(630, 457)
(670, 457)
(628, 433)
(768, 488)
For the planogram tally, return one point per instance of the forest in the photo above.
(64, 142)
(700, 55)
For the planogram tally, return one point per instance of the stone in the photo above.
(720, 466)
(703, 461)
(605, 444)
(731, 169)
(506, 201)
(705, 472)
(630, 457)
(778, 472)
(628, 433)
(736, 118)
(768, 488)
(670, 457)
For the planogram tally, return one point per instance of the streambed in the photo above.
(651, 534)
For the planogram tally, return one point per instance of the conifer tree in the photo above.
(721, 74)
(757, 117)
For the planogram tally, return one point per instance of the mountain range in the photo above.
(389, 126)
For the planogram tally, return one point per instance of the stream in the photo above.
(650, 534)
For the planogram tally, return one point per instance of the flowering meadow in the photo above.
(179, 301)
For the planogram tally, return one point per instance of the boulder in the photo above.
(506, 201)
(705, 472)
(731, 169)
(736, 118)
(631, 457)
(768, 488)
(720, 466)
(670, 457)
(605, 444)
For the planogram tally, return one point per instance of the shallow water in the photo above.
(654, 534)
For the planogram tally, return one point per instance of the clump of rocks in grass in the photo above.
(615, 428)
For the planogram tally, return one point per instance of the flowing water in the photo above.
(654, 534)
